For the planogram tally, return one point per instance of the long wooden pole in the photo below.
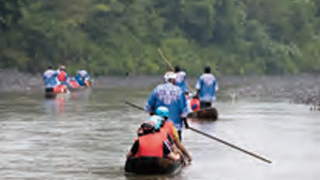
(230, 145)
(169, 64)
(134, 105)
(165, 59)
(214, 138)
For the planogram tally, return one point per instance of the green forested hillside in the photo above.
(119, 36)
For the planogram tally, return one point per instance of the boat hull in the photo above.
(205, 114)
(152, 165)
(49, 93)
(77, 89)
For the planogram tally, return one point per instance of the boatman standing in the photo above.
(206, 86)
(181, 79)
(171, 96)
(50, 78)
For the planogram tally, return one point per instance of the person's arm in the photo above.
(184, 109)
(198, 87)
(87, 77)
(183, 149)
(129, 155)
(184, 105)
(167, 151)
(173, 156)
(56, 73)
(216, 85)
(180, 146)
(134, 149)
(150, 106)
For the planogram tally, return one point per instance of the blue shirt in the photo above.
(173, 98)
(50, 78)
(181, 81)
(208, 86)
(81, 77)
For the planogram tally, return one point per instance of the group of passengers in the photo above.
(158, 137)
(58, 80)
(168, 106)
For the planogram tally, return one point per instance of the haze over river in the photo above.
(86, 137)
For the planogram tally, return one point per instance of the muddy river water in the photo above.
(86, 136)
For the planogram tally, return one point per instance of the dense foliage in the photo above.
(122, 36)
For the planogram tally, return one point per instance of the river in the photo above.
(86, 136)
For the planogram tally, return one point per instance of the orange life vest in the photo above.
(195, 104)
(150, 145)
(168, 127)
(163, 133)
(62, 76)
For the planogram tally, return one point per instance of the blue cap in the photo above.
(157, 121)
(162, 111)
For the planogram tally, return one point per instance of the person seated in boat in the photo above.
(159, 121)
(83, 78)
(151, 144)
(62, 75)
(206, 86)
(168, 126)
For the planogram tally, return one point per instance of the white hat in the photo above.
(169, 75)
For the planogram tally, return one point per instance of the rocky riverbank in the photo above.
(302, 89)
(14, 81)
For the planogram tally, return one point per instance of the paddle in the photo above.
(212, 137)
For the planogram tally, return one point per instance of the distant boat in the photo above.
(204, 114)
(77, 88)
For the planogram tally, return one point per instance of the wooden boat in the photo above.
(49, 93)
(78, 88)
(204, 114)
(152, 165)
(53, 92)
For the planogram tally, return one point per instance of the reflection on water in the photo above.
(54, 106)
(86, 136)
